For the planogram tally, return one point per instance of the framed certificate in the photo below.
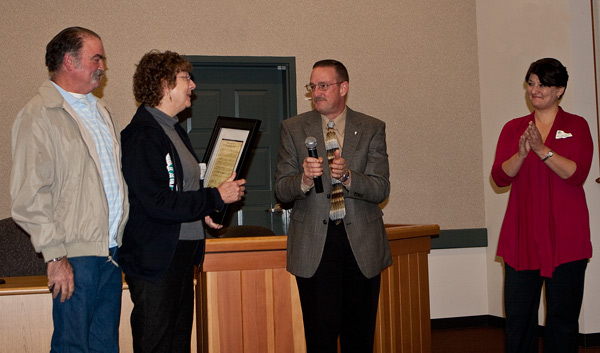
(226, 152)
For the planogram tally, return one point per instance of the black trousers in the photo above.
(339, 301)
(564, 295)
(163, 312)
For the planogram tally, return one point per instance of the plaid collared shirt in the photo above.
(85, 107)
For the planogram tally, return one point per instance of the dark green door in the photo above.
(256, 88)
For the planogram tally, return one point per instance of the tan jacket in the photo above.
(56, 182)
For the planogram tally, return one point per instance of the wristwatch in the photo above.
(550, 154)
(345, 177)
(55, 259)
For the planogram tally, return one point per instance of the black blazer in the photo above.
(157, 211)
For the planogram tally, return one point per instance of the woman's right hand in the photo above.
(512, 165)
(212, 224)
(524, 146)
(232, 190)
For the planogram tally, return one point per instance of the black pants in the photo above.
(163, 312)
(339, 300)
(564, 295)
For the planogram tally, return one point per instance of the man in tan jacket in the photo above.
(69, 194)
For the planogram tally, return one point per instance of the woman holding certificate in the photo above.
(164, 237)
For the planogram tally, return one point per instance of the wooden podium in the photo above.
(247, 302)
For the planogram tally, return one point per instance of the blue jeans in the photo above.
(89, 320)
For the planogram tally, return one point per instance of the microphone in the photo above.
(311, 145)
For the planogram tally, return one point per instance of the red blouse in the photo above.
(547, 221)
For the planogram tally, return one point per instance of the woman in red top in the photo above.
(545, 238)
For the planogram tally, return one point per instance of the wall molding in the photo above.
(460, 238)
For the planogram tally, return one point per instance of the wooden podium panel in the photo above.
(247, 302)
(403, 318)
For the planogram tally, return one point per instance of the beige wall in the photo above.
(405, 58)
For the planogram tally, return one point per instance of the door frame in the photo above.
(287, 63)
(284, 63)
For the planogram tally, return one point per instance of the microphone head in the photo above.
(310, 142)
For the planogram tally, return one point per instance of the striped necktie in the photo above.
(337, 210)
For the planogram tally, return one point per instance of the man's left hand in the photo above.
(338, 165)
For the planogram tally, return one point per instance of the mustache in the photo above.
(98, 74)
(316, 99)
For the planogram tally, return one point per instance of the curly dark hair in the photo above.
(153, 71)
(69, 40)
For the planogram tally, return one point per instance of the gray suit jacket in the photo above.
(365, 154)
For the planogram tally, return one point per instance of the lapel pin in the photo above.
(562, 135)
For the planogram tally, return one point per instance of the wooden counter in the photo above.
(248, 302)
(26, 316)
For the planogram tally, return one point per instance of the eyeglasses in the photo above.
(323, 86)
(188, 78)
